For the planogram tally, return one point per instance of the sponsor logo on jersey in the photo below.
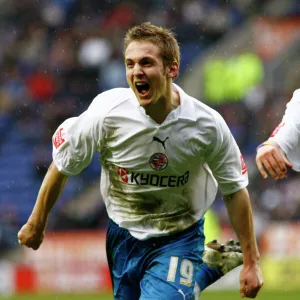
(58, 138)
(153, 179)
(156, 139)
(161, 181)
(158, 161)
(277, 129)
(123, 174)
(244, 167)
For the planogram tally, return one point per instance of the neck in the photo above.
(160, 109)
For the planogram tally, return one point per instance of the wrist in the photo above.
(251, 259)
(37, 225)
(266, 143)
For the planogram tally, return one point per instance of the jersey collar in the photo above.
(186, 109)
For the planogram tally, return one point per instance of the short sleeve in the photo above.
(75, 142)
(287, 134)
(225, 159)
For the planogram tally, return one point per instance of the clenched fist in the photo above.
(251, 281)
(31, 236)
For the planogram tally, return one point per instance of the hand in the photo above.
(251, 280)
(31, 236)
(272, 159)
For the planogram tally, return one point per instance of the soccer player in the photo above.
(162, 154)
(282, 150)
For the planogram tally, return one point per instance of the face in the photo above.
(146, 73)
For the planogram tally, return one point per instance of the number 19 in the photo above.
(186, 271)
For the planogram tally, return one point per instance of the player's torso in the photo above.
(143, 148)
(149, 168)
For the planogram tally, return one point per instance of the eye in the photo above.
(129, 65)
(147, 63)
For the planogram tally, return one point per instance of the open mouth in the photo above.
(142, 88)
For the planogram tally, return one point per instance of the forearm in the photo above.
(240, 214)
(52, 186)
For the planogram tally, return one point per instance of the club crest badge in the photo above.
(158, 161)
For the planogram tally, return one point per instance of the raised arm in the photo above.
(32, 233)
(240, 214)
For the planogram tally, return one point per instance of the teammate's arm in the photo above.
(32, 233)
(281, 150)
(271, 159)
(240, 214)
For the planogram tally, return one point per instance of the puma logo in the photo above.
(156, 139)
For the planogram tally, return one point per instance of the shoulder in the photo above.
(207, 115)
(209, 127)
(295, 101)
(195, 108)
(206, 119)
(293, 107)
(296, 95)
(108, 100)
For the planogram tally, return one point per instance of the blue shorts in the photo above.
(158, 268)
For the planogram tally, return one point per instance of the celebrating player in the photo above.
(162, 155)
(281, 151)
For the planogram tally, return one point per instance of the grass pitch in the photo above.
(211, 295)
(263, 295)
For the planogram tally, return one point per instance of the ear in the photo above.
(172, 70)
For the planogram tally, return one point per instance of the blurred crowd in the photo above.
(57, 55)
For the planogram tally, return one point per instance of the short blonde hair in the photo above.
(162, 37)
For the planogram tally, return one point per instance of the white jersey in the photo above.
(156, 179)
(287, 133)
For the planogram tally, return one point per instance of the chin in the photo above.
(145, 102)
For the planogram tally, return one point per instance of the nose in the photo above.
(137, 70)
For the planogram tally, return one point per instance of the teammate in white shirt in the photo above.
(282, 150)
(162, 155)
